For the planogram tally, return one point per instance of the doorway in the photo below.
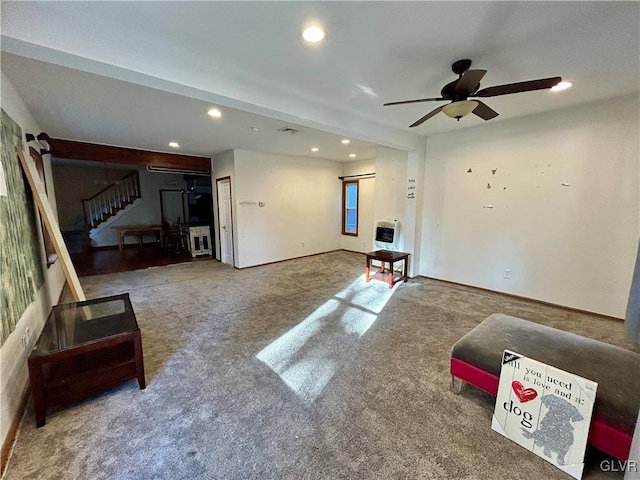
(225, 218)
(173, 207)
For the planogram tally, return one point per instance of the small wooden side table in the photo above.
(85, 348)
(387, 256)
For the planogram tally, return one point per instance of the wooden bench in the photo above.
(476, 359)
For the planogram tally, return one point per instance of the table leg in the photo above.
(120, 242)
(367, 270)
(391, 274)
(137, 352)
(406, 269)
(37, 393)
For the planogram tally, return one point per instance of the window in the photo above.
(350, 207)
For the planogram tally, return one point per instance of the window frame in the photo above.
(345, 184)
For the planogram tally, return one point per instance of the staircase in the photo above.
(111, 200)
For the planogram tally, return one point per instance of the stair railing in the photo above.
(110, 200)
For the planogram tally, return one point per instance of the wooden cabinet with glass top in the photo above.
(85, 348)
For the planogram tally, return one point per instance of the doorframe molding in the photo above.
(233, 249)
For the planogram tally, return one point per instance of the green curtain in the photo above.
(21, 272)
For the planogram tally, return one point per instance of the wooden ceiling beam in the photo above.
(73, 150)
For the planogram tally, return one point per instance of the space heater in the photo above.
(387, 235)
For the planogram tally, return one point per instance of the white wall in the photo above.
(399, 196)
(301, 215)
(414, 206)
(13, 356)
(223, 166)
(366, 198)
(569, 245)
(391, 188)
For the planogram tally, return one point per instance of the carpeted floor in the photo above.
(293, 370)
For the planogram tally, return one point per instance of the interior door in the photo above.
(225, 217)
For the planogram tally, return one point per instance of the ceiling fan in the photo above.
(466, 86)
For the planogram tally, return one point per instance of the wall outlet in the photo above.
(302, 244)
(507, 273)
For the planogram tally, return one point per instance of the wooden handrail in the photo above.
(135, 172)
(110, 199)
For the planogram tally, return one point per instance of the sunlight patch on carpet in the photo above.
(307, 356)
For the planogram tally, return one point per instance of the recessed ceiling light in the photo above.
(255, 129)
(561, 86)
(174, 144)
(215, 113)
(345, 141)
(315, 149)
(313, 34)
(352, 155)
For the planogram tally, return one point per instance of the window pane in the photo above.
(351, 219)
(352, 196)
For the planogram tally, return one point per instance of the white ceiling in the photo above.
(141, 74)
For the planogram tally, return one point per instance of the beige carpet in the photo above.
(294, 370)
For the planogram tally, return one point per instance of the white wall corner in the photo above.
(414, 208)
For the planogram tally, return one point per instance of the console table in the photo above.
(137, 231)
(390, 257)
(84, 348)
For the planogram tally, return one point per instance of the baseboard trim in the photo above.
(12, 434)
(521, 297)
(126, 246)
(350, 251)
(287, 259)
(303, 256)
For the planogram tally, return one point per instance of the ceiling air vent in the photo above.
(289, 130)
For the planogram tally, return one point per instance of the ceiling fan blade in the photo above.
(470, 81)
(527, 86)
(415, 101)
(426, 117)
(484, 111)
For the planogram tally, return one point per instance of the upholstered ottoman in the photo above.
(476, 358)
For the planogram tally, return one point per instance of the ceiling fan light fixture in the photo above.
(460, 109)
